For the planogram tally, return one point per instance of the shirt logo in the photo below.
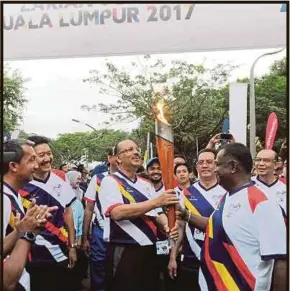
(281, 195)
(57, 189)
(233, 208)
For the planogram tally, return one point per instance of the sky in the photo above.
(55, 89)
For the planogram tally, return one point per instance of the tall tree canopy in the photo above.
(13, 99)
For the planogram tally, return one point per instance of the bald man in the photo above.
(132, 210)
(265, 164)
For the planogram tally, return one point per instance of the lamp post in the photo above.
(252, 103)
(88, 125)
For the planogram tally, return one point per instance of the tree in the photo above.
(195, 98)
(13, 99)
(85, 146)
(271, 96)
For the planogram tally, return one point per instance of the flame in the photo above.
(160, 114)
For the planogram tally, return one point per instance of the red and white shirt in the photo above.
(117, 189)
(244, 236)
(276, 191)
(92, 195)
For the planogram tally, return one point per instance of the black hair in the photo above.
(13, 152)
(240, 153)
(38, 139)
(206, 151)
(62, 165)
(181, 164)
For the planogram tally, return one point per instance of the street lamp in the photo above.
(252, 103)
(78, 121)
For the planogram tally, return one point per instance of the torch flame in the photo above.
(160, 114)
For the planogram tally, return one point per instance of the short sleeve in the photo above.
(90, 194)
(109, 195)
(271, 230)
(6, 212)
(69, 195)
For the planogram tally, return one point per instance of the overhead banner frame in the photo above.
(39, 31)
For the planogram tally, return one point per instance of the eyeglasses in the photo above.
(129, 151)
(208, 162)
(266, 160)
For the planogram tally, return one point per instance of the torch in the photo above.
(165, 149)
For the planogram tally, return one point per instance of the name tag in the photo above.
(163, 247)
(199, 235)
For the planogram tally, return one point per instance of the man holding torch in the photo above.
(132, 210)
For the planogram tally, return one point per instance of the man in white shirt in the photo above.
(273, 186)
(241, 250)
(94, 242)
(19, 229)
(201, 197)
(132, 210)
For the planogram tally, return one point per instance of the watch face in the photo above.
(30, 235)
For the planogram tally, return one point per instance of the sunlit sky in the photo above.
(55, 89)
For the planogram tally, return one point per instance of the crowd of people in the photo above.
(63, 226)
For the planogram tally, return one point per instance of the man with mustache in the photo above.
(274, 186)
(245, 240)
(50, 256)
(202, 197)
(19, 229)
(132, 209)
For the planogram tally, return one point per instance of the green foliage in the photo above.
(13, 99)
(80, 146)
(195, 97)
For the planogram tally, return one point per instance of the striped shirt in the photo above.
(12, 206)
(201, 201)
(244, 236)
(117, 189)
(92, 195)
(51, 243)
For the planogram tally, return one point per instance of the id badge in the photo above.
(163, 247)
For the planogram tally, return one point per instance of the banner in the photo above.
(271, 130)
(38, 31)
(238, 111)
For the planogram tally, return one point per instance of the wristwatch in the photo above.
(29, 236)
(73, 246)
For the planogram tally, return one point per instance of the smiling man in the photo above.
(202, 197)
(50, 256)
(241, 250)
(132, 211)
(273, 186)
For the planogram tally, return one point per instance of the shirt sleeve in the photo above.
(79, 231)
(69, 195)
(109, 195)
(6, 212)
(271, 230)
(90, 194)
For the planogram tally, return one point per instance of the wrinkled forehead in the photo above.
(266, 154)
(127, 144)
(42, 148)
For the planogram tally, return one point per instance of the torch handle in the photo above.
(166, 156)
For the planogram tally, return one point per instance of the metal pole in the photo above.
(252, 103)
(76, 120)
